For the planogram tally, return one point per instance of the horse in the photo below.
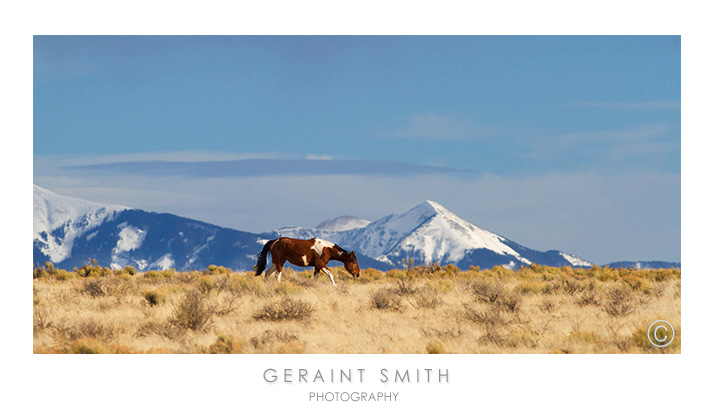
(305, 252)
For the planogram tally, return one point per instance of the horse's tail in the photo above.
(263, 257)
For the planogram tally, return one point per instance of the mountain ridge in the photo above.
(69, 231)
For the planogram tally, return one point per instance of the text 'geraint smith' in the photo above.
(386, 376)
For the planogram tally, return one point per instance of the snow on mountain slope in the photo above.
(342, 223)
(575, 260)
(445, 238)
(59, 220)
(69, 231)
(429, 233)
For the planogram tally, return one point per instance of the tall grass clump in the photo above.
(154, 297)
(285, 309)
(226, 344)
(619, 301)
(493, 292)
(192, 312)
(386, 299)
(494, 321)
(487, 291)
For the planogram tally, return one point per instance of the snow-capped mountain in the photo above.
(69, 232)
(430, 233)
(59, 220)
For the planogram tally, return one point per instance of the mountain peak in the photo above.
(436, 206)
(68, 230)
(428, 209)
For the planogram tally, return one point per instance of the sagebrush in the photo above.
(419, 309)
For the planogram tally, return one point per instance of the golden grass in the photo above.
(418, 310)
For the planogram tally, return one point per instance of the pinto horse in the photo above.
(299, 252)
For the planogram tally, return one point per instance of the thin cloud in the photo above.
(315, 157)
(650, 145)
(172, 156)
(640, 133)
(436, 127)
(259, 168)
(641, 105)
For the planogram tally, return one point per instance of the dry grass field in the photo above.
(415, 310)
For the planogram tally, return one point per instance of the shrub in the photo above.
(451, 270)
(493, 292)
(50, 267)
(285, 309)
(153, 275)
(229, 304)
(292, 348)
(492, 319)
(270, 336)
(547, 305)
(225, 344)
(656, 290)
(370, 274)
(427, 298)
(87, 329)
(510, 301)
(436, 348)
(94, 346)
(39, 272)
(441, 286)
(523, 338)
(40, 321)
(216, 270)
(205, 284)
(93, 288)
(154, 297)
(666, 274)
(640, 338)
(570, 286)
(405, 287)
(590, 297)
(92, 270)
(385, 299)
(487, 291)
(584, 337)
(529, 287)
(286, 287)
(249, 285)
(303, 281)
(619, 302)
(396, 274)
(87, 346)
(192, 312)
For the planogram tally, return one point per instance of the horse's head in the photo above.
(351, 265)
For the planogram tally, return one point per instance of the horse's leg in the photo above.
(321, 265)
(279, 267)
(327, 271)
(271, 271)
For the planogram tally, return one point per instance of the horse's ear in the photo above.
(352, 253)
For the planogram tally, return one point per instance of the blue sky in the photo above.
(566, 142)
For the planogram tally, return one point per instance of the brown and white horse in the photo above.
(299, 252)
